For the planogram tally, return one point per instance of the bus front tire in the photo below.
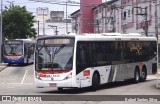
(95, 82)
(60, 89)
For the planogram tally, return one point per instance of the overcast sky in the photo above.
(31, 5)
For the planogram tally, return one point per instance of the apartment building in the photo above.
(124, 16)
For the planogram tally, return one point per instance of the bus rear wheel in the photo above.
(143, 75)
(136, 76)
(95, 82)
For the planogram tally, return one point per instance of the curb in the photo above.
(158, 86)
(3, 66)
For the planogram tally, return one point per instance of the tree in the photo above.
(18, 23)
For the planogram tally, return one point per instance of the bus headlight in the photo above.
(68, 76)
(37, 76)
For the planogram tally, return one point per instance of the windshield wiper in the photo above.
(57, 50)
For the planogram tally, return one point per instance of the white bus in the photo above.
(93, 59)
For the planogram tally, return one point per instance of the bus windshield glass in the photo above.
(13, 49)
(54, 57)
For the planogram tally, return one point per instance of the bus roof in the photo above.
(106, 36)
(24, 40)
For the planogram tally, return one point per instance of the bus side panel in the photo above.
(84, 78)
(120, 73)
(151, 66)
(106, 73)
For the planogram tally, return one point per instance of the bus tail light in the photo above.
(68, 76)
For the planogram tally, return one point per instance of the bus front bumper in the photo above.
(64, 83)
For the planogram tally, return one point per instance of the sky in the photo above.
(31, 5)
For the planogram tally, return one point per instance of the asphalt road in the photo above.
(18, 80)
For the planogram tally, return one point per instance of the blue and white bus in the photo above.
(18, 51)
(93, 59)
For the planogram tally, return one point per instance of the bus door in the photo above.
(25, 53)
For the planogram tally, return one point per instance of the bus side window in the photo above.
(83, 55)
(81, 60)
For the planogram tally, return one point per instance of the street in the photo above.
(18, 80)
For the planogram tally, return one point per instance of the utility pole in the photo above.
(37, 27)
(66, 20)
(1, 36)
(146, 21)
(43, 23)
(156, 20)
(43, 9)
(111, 18)
(144, 13)
(156, 30)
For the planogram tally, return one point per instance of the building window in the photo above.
(124, 15)
(96, 12)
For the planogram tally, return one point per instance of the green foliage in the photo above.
(18, 23)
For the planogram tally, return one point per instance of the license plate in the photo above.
(52, 84)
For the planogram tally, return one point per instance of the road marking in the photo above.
(24, 76)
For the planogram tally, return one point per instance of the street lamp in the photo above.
(54, 29)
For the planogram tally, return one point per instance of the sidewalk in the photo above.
(3, 66)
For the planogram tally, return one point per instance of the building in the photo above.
(51, 23)
(83, 18)
(76, 22)
(124, 16)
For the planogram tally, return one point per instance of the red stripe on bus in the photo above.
(42, 75)
(12, 55)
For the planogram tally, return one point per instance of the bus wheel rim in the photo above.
(143, 75)
(137, 76)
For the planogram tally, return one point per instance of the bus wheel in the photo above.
(60, 89)
(9, 64)
(136, 76)
(95, 82)
(143, 75)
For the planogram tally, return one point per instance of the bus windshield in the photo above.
(13, 49)
(54, 57)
